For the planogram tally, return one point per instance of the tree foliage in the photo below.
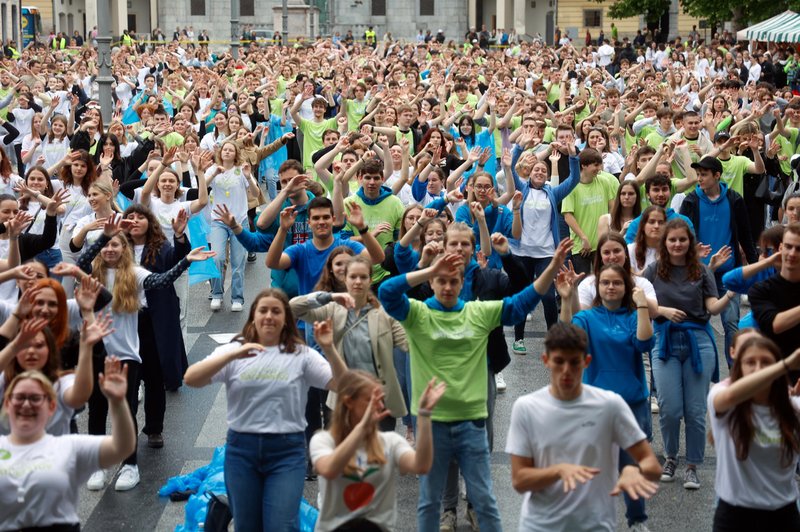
(741, 12)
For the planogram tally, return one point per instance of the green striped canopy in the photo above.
(780, 28)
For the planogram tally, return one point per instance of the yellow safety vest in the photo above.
(14, 52)
(59, 43)
(126, 40)
(370, 36)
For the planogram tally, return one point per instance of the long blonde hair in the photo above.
(352, 384)
(126, 289)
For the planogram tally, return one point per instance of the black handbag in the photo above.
(219, 514)
(771, 195)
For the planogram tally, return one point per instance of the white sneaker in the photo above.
(128, 478)
(141, 392)
(97, 481)
(500, 382)
(236, 307)
(653, 405)
(216, 304)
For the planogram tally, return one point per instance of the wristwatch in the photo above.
(363, 230)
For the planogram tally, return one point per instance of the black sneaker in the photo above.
(311, 475)
(251, 257)
(668, 473)
(155, 441)
(690, 480)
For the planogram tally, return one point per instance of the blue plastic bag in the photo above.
(206, 269)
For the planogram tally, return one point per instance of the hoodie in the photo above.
(715, 228)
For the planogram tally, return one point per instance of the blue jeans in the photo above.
(404, 378)
(50, 258)
(729, 317)
(465, 441)
(682, 393)
(219, 235)
(264, 475)
(634, 509)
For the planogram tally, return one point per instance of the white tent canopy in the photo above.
(780, 28)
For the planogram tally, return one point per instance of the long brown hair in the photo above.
(327, 280)
(694, 270)
(619, 239)
(155, 237)
(59, 325)
(51, 367)
(740, 420)
(86, 182)
(616, 208)
(352, 384)
(290, 336)
(641, 239)
(126, 288)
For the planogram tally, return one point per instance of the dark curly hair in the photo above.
(155, 236)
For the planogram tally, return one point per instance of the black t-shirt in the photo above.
(768, 299)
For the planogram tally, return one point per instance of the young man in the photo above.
(658, 190)
(564, 443)
(383, 211)
(776, 301)
(582, 209)
(734, 167)
(448, 338)
(719, 216)
(314, 128)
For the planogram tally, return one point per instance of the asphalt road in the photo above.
(195, 425)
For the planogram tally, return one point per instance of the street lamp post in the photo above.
(235, 29)
(285, 22)
(105, 79)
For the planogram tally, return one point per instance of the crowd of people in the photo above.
(410, 201)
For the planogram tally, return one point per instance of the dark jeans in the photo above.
(533, 269)
(583, 264)
(317, 414)
(98, 404)
(730, 518)
(155, 398)
(634, 509)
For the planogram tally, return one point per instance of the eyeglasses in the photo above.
(483, 187)
(35, 399)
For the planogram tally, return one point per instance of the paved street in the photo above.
(195, 424)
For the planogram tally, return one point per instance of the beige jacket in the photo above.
(385, 333)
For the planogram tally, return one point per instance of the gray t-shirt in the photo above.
(683, 294)
(356, 344)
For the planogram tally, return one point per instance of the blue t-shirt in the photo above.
(308, 261)
(715, 225)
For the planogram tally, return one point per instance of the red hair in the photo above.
(59, 325)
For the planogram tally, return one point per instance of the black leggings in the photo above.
(98, 404)
(730, 518)
(155, 398)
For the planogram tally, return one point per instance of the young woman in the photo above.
(363, 333)
(644, 249)
(354, 452)
(55, 141)
(265, 459)
(35, 349)
(110, 260)
(229, 187)
(36, 194)
(41, 465)
(163, 352)
(162, 194)
(88, 228)
(77, 175)
(332, 277)
(620, 332)
(684, 355)
(756, 430)
(627, 206)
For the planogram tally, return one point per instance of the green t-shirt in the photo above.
(733, 171)
(676, 169)
(312, 138)
(389, 210)
(673, 189)
(553, 92)
(451, 346)
(355, 113)
(516, 121)
(454, 105)
(409, 135)
(588, 202)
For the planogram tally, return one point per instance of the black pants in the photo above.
(317, 414)
(730, 518)
(98, 404)
(155, 398)
(583, 264)
(533, 269)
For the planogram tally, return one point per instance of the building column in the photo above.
(154, 16)
(505, 14)
(119, 20)
(519, 16)
(472, 13)
(91, 17)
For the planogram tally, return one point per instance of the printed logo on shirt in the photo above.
(264, 374)
(5, 455)
(591, 200)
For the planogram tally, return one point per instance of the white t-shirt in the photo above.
(77, 207)
(376, 499)
(537, 235)
(230, 189)
(91, 236)
(587, 290)
(7, 185)
(405, 193)
(588, 431)
(267, 393)
(59, 423)
(761, 481)
(650, 256)
(53, 151)
(40, 483)
(166, 212)
(124, 341)
(28, 144)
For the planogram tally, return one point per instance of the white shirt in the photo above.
(589, 431)
(166, 212)
(40, 482)
(230, 189)
(605, 54)
(124, 341)
(537, 235)
(58, 425)
(587, 290)
(267, 393)
(650, 256)
(761, 481)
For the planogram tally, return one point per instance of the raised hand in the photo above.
(344, 299)
(634, 484)
(720, 257)
(87, 292)
(102, 326)
(288, 217)
(572, 475)
(323, 333)
(430, 397)
(18, 223)
(639, 298)
(59, 198)
(200, 254)
(179, 222)
(447, 265)
(224, 215)
(114, 379)
(355, 216)
(28, 331)
(376, 410)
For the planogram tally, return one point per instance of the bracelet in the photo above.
(363, 230)
(639, 306)
(782, 360)
(424, 412)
